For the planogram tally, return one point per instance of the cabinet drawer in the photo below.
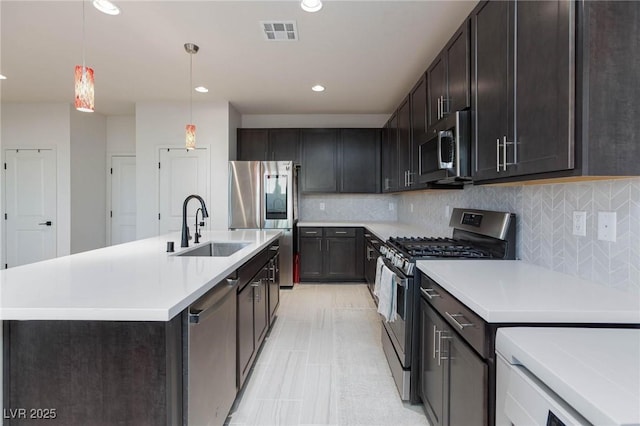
(339, 232)
(310, 232)
(462, 319)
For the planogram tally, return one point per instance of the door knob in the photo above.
(47, 223)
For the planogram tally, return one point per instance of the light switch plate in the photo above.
(391, 207)
(580, 223)
(607, 226)
(411, 207)
(321, 206)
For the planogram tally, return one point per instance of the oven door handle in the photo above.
(402, 282)
(396, 271)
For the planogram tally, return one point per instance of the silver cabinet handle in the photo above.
(438, 351)
(498, 155)
(435, 331)
(310, 232)
(439, 107)
(409, 177)
(460, 325)
(504, 154)
(341, 232)
(429, 292)
(444, 335)
(320, 244)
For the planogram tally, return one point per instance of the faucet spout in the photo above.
(185, 229)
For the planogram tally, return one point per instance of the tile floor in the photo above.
(323, 364)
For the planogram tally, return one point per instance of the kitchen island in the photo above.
(102, 337)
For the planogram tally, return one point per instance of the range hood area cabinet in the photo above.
(340, 160)
(441, 90)
(553, 89)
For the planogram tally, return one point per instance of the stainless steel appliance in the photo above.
(263, 195)
(211, 348)
(476, 234)
(445, 157)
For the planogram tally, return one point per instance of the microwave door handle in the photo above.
(440, 164)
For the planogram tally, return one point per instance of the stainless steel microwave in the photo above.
(445, 155)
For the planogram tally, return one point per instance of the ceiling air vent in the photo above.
(279, 30)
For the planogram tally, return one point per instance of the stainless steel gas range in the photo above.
(477, 234)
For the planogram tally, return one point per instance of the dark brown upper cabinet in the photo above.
(340, 160)
(448, 77)
(390, 174)
(360, 160)
(418, 98)
(405, 175)
(552, 90)
(269, 145)
(319, 170)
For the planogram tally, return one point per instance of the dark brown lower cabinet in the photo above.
(453, 378)
(331, 254)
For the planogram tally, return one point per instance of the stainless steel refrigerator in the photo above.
(263, 195)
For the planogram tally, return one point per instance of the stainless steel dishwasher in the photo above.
(211, 345)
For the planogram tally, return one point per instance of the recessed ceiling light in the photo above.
(311, 5)
(2, 77)
(318, 88)
(201, 89)
(105, 6)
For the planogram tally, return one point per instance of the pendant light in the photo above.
(83, 76)
(190, 140)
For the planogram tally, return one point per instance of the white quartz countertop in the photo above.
(382, 230)
(136, 281)
(595, 370)
(507, 291)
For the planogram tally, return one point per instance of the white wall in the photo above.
(313, 120)
(121, 134)
(235, 122)
(161, 124)
(44, 126)
(88, 180)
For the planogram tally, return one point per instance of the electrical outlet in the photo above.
(607, 226)
(321, 206)
(447, 212)
(391, 207)
(580, 223)
(411, 207)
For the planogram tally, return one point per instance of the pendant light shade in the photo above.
(190, 136)
(84, 89)
(83, 81)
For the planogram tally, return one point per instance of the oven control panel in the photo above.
(472, 219)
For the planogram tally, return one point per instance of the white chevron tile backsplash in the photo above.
(544, 228)
(545, 224)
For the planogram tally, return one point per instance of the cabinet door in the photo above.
(261, 305)
(543, 112)
(340, 258)
(360, 160)
(252, 144)
(432, 372)
(492, 88)
(437, 79)
(245, 331)
(284, 145)
(311, 258)
(467, 384)
(319, 166)
(274, 286)
(390, 173)
(418, 122)
(404, 144)
(458, 57)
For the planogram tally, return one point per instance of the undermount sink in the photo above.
(214, 249)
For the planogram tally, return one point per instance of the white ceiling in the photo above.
(368, 54)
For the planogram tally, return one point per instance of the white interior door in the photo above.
(123, 199)
(30, 205)
(182, 173)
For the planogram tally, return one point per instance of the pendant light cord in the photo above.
(83, 41)
(190, 88)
